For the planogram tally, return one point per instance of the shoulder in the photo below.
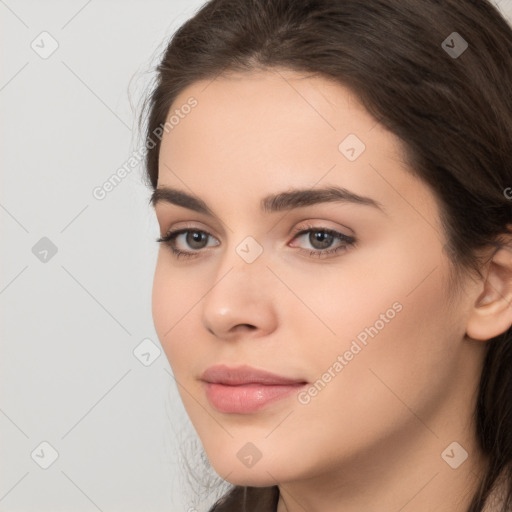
(250, 499)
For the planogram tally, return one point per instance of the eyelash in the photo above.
(168, 240)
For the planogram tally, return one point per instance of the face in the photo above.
(340, 289)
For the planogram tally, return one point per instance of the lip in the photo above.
(240, 375)
(245, 389)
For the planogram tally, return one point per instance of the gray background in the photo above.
(72, 320)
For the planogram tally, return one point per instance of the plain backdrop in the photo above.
(90, 417)
(76, 271)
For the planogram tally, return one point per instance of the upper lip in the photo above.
(222, 374)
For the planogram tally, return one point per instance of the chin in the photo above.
(263, 473)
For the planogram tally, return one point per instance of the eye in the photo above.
(321, 240)
(194, 238)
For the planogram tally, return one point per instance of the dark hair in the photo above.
(453, 114)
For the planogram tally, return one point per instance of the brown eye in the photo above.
(195, 239)
(320, 239)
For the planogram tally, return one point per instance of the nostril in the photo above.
(248, 326)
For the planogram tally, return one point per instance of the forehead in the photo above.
(250, 134)
(274, 99)
(264, 111)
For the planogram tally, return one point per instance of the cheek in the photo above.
(406, 356)
(392, 302)
(162, 301)
(173, 299)
(337, 302)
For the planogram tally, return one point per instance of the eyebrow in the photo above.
(288, 200)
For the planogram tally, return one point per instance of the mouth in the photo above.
(244, 389)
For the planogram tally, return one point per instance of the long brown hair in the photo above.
(452, 111)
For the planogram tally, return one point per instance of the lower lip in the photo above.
(247, 398)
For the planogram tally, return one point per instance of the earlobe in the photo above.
(492, 312)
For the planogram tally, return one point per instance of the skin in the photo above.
(372, 438)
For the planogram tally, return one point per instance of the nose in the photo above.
(241, 299)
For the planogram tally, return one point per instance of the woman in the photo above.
(332, 181)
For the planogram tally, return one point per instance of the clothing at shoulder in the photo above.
(249, 499)
(265, 499)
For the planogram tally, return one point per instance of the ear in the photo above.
(492, 312)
